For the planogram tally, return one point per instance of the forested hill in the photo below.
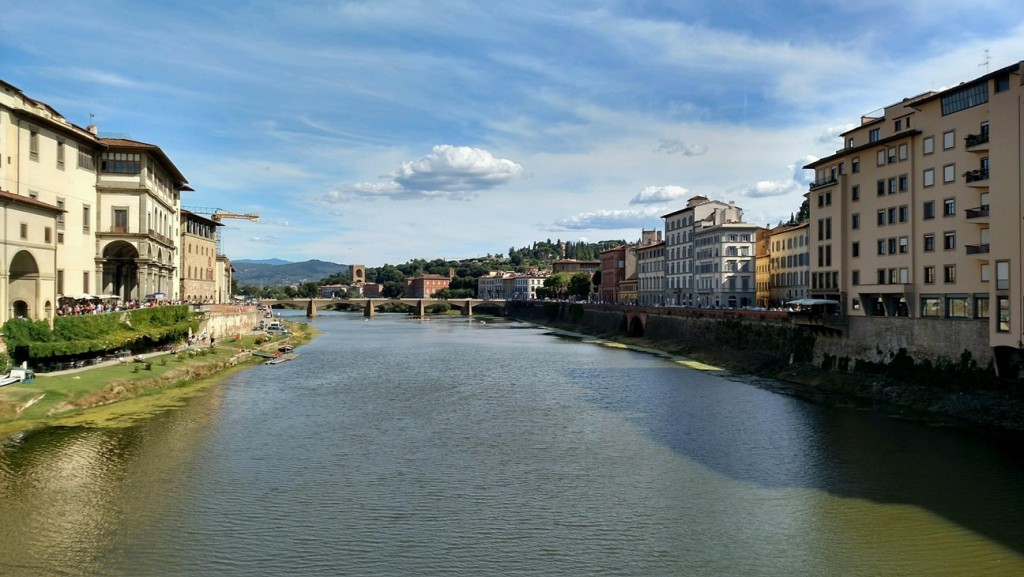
(293, 273)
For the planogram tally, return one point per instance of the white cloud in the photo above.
(660, 195)
(453, 172)
(677, 146)
(610, 219)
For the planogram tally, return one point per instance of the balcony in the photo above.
(978, 175)
(976, 142)
(977, 248)
(827, 181)
(979, 212)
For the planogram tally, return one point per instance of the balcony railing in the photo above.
(976, 175)
(828, 180)
(977, 248)
(975, 139)
(979, 212)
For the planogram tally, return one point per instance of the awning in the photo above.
(812, 302)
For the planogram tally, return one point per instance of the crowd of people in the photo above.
(71, 307)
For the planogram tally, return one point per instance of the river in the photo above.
(398, 447)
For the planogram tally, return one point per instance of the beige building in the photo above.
(650, 273)
(762, 278)
(724, 259)
(200, 270)
(919, 215)
(50, 160)
(27, 281)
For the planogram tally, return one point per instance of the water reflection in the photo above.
(973, 479)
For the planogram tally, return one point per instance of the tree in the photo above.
(580, 285)
(557, 284)
(805, 211)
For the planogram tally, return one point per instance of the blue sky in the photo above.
(375, 132)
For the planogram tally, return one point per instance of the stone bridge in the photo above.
(369, 305)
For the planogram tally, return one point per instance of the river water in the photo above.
(460, 447)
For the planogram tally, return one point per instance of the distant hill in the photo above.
(290, 273)
(273, 261)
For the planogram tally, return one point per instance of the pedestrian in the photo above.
(211, 341)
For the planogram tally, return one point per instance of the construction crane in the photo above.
(219, 214)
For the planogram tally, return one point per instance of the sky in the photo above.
(375, 132)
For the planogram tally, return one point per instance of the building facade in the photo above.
(424, 286)
(789, 263)
(680, 228)
(199, 267)
(918, 215)
(724, 258)
(650, 267)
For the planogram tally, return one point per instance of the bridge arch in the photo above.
(636, 324)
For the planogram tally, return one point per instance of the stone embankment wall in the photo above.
(873, 339)
(223, 321)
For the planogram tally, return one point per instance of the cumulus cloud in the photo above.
(798, 181)
(453, 172)
(609, 219)
(831, 135)
(677, 146)
(660, 195)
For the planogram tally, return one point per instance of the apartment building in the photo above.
(680, 228)
(789, 260)
(724, 258)
(919, 215)
(199, 265)
(424, 286)
(650, 270)
(762, 266)
(613, 272)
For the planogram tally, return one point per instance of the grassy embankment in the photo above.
(118, 394)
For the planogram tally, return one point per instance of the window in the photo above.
(897, 126)
(929, 242)
(931, 307)
(892, 186)
(880, 185)
(891, 155)
(893, 276)
(965, 98)
(904, 151)
(875, 135)
(60, 154)
(892, 215)
(855, 249)
(855, 164)
(1003, 310)
(828, 198)
(904, 183)
(86, 160)
(948, 139)
(86, 219)
(855, 192)
(60, 281)
(929, 275)
(33, 145)
(981, 307)
(85, 281)
(1003, 275)
(881, 218)
(60, 215)
(904, 243)
(949, 207)
(855, 221)
(60, 237)
(928, 210)
(880, 276)
(904, 213)
(120, 163)
(855, 277)
(949, 241)
(929, 177)
(881, 247)
(880, 157)
(949, 173)
(120, 220)
(928, 145)
(956, 307)
(892, 245)
(949, 273)
(23, 229)
(47, 235)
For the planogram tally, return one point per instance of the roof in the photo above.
(126, 144)
(195, 216)
(848, 151)
(11, 198)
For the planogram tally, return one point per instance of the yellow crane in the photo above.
(219, 214)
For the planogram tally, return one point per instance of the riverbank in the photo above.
(981, 410)
(119, 393)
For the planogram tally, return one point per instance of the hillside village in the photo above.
(914, 220)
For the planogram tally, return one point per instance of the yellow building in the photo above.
(199, 266)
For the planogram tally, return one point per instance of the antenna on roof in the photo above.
(985, 63)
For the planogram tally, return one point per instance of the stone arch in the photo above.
(636, 324)
(23, 284)
(121, 270)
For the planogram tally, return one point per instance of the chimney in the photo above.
(93, 129)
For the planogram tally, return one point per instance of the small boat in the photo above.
(286, 348)
(282, 358)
